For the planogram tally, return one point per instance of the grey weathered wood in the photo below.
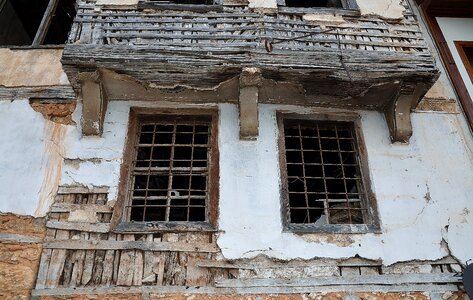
(43, 270)
(348, 280)
(81, 226)
(51, 93)
(18, 238)
(56, 264)
(225, 291)
(88, 267)
(128, 245)
(82, 190)
(183, 7)
(126, 267)
(68, 207)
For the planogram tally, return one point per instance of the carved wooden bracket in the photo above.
(94, 103)
(398, 111)
(250, 83)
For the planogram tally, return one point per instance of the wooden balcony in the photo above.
(359, 63)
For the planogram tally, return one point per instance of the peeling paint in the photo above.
(385, 9)
(53, 157)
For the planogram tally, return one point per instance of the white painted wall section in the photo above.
(22, 157)
(458, 29)
(422, 191)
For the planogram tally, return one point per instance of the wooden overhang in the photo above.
(357, 63)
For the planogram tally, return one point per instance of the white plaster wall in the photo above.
(22, 157)
(458, 29)
(421, 188)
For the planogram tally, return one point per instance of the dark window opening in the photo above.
(169, 179)
(35, 23)
(314, 3)
(465, 50)
(324, 182)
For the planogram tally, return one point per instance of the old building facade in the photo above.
(234, 150)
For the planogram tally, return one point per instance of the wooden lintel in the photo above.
(94, 103)
(398, 111)
(250, 83)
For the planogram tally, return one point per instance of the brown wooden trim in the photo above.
(138, 114)
(452, 70)
(460, 47)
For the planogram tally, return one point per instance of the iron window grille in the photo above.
(323, 184)
(169, 162)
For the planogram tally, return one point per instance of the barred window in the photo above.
(323, 182)
(169, 169)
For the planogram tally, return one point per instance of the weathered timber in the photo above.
(18, 238)
(68, 207)
(94, 103)
(250, 83)
(82, 226)
(160, 290)
(51, 93)
(348, 280)
(130, 245)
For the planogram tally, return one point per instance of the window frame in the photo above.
(119, 222)
(460, 45)
(373, 225)
(42, 30)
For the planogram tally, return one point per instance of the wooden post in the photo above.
(94, 103)
(250, 83)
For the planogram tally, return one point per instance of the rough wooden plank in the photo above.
(82, 190)
(58, 93)
(80, 226)
(56, 264)
(67, 207)
(138, 268)
(43, 270)
(88, 267)
(127, 260)
(348, 280)
(18, 238)
(78, 258)
(131, 245)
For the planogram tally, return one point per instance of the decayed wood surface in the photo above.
(182, 47)
(82, 259)
(348, 280)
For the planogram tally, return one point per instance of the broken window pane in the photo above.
(170, 172)
(323, 176)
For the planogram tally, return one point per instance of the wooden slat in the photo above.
(349, 280)
(68, 207)
(130, 245)
(80, 226)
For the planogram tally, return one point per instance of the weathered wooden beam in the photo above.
(94, 103)
(68, 207)
(80, 226)
(199, 8)
(348, 280)
(131, 245)
(189, 290)
(250, 83)
(50, 93)
(398, 111)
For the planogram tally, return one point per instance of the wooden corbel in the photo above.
(94, 103)
(250, 83)
(398, 111)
